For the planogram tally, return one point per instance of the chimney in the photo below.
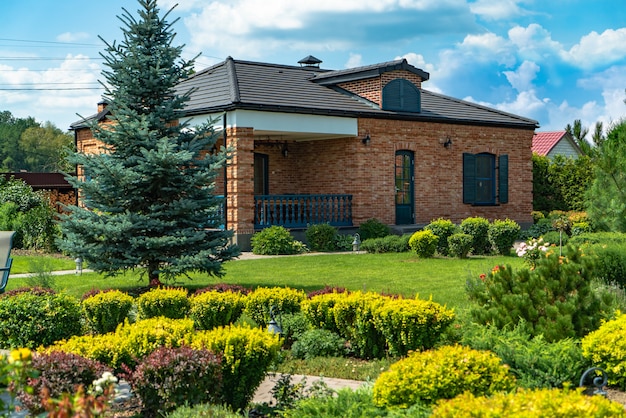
(310, 61)
(102, 105)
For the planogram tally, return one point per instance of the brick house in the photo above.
(314, 145)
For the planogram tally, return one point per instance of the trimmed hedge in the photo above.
(104, 311)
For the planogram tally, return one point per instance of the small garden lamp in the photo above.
(356, 244)
(79, 265)
(273, 326)
(599, 381)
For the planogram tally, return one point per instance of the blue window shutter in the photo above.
(503, 178)
(469, 178)
(401, 95)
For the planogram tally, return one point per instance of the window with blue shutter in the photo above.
(401, 95)
(480, 180)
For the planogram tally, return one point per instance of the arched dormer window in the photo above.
(401, 95)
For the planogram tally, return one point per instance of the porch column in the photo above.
(240, 185)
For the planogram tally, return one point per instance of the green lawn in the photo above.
(402, 273)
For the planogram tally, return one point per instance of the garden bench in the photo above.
(6, 242)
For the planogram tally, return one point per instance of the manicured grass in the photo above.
(33, 262)
(442, 278)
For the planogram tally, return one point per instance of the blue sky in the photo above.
(550, 60)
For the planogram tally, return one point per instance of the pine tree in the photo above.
(149, 196)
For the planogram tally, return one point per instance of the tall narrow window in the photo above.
(261, 174)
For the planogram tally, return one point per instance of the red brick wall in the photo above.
(371, 88)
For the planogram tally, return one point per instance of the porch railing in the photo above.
(300, 210)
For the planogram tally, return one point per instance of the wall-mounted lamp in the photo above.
(366, 141)
(447, 143)
(284, 150)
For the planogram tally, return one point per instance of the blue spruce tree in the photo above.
(149, 198)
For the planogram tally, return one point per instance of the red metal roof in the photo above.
(543, 142)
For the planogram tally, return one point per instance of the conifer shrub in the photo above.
(424, 243)
(282, 300)
(535, 362)
(169, 377)
(104, 311)
(427, 376)
(354, 314)
(130, 342)
(168, 302)
(554, 299)
(212, 309)
(58, 373)
(275, 240)
(478, 228)
(443, 228)
(321, 237)
(459, 245)
(319, 343)
(373, 228)
(247, 354)
(540, 403)
(411, 324)
(30, 319)
(606, 348)
(502, 235)
(319, 310)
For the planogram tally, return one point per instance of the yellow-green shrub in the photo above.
(441, 374)
(247, 354)
(553, 403)
(167, 302)
(606, 348)
(130, 342)
(354, 315)
(213, 309)
(284, 300)
(104, 311)
(319, 310)
(424, 243)
(411, 324)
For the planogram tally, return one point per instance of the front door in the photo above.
(404, 187)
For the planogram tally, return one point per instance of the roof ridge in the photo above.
(232, 75)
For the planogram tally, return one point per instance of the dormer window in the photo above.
(400, 95)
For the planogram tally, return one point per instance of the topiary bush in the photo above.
(319, 343)
(247, 353)
(502, 235)
(104, 311)
(388, 244)
(541, 403)
(424, 243)
(411, 324)
(168, 302)
(321, 237)
(478, 228)
(554, 299)
(275, 240)
(426, 377)
(373, 228)
(535, 362)
(443, 228)
(130, 342)
(33, 318)
(58, 373)
(459, 245)
(606, 348)
(212, 309)
(282, 300)
(170, 377)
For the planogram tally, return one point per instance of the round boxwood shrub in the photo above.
(424, 243)
(459, 245)
(541, 403)
(502, 235)
(282, 300)
(443, 228)
(478, 228)
(104, 311)
(212, 309)
(321, 237)
(30, 319)
(168, 302)
(426, 377)
(373, 228)
(275, 240)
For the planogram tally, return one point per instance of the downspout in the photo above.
(225, 178)
(76, 165)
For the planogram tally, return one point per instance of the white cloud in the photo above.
(355, 60)
(596, 49)
(72, 36)
(522, 78)
(497, 9)
(534, 42)
(487, 47)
